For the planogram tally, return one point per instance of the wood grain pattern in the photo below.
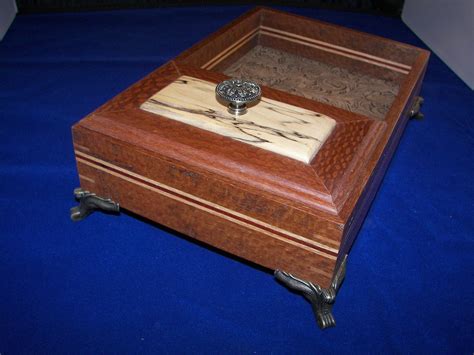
(273, 125)
(196, 223)
(207, 206)
(355, 92)
(186, 180)
(366, 44)
(265, 207)
(306, 41)
(339, 50)
(232, 195)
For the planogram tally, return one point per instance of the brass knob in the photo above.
(237, 94)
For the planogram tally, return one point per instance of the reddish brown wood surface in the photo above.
(261, 206)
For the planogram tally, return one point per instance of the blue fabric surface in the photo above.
(121, 285)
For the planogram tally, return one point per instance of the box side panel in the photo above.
(223, 42)
(364, 202)
(208, 188)
(206, 224)
(337, 36)
(242, 223)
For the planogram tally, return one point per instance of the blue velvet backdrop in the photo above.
(121, 285)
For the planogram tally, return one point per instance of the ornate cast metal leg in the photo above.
(321, 299)
(90, 202)
(415, 111)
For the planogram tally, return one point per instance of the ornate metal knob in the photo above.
(238, 93)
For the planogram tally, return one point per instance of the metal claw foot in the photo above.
(321, 299)
(415, 111)
(90, 202)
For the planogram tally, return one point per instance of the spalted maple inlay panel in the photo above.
(354, 92)
(272, 125)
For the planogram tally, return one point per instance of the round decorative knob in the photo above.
(238, 93)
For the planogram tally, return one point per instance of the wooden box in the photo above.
(294, 203)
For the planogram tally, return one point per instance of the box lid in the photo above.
(323, 169)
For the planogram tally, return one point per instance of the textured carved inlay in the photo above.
(273, 125)
(318, 81)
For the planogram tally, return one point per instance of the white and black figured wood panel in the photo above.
(284, 129)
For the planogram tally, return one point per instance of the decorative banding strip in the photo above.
(231, 49)
(207, 209)
(336, 48)
(83, 177)
(310, 42)
(81, 147)
(337, 52)
(233, 216)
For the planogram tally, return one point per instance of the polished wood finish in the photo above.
(272, 125)
(265, 207)
(315, 80)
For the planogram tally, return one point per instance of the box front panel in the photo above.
(205, 186)
(210, 223)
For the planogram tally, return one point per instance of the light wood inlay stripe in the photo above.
(336, 47)
(81, 147)
(337, 52)
(210, 207)
(83, 177)
(310, 42)
(231, 49)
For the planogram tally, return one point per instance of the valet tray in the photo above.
(271, 209)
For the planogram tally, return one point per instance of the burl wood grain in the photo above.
(262, 206)
(352, 91)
